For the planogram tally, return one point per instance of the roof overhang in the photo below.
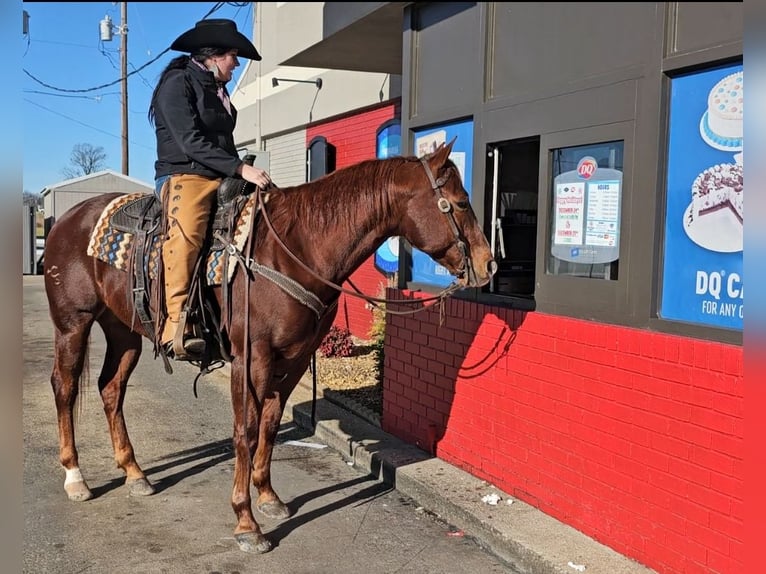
(357, 36)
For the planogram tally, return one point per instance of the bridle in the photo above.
(446, 207)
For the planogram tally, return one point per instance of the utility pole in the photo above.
(124, 72)
(107, 29)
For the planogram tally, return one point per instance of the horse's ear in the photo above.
(439, 157)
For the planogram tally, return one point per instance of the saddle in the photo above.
(142, 217)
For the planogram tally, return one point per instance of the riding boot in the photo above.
(190, 199)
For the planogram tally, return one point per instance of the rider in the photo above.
(194, 123)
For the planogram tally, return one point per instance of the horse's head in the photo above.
(440, 221)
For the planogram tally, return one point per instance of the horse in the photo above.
(318, 234)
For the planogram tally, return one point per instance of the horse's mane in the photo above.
(360, 194)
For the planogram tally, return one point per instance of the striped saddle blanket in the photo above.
(112, 244)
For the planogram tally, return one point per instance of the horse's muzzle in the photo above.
(468, 276)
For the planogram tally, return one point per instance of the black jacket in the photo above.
(195, 133)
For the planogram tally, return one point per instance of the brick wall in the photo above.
(630, 436)
(354, 139)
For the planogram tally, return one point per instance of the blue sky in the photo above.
(63, 50)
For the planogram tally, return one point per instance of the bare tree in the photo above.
(30, 198)
(85, 159)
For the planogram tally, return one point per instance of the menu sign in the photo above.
(586, 218)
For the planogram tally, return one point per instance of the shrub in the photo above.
(337, 343)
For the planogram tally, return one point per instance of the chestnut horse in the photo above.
(319, 233)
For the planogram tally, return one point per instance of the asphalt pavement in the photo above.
(343, 519)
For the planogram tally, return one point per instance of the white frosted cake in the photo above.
(725, 106)
(718, 187)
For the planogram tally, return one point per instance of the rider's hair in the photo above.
(179, 63)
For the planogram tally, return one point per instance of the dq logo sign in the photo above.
(586, 167)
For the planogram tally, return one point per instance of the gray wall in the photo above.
(288, 158)
(570, 74)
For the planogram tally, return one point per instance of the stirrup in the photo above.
(186, 346)
(192, 348)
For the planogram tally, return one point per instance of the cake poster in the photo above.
(702, 269)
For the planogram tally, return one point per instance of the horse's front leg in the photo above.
(273, 405)
(247, 533)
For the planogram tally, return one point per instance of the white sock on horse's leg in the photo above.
(75, 486)
(73, 475)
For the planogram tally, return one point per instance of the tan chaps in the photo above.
(188, 200)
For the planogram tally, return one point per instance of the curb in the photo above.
(351, 405)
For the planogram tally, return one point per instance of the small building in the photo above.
(60, 197)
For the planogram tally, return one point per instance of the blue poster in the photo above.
(702, 270)
(388, 144)
(425, 269)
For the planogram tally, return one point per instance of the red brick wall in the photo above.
(630, 436)
(354, 139)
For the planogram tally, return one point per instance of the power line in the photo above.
(96, 98)
(217, 6)
(83, 123)
(102, 86)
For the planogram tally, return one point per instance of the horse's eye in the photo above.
(462, 205)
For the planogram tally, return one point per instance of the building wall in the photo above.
(582, 401)
(265, 109)
(633, 437)
(354, 139)
(592, 408)
(287, 157)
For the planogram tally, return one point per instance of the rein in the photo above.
(444, 206)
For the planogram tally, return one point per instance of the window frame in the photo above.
(581, 296)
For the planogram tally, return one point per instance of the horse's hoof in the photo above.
(139, 487)
(252, 542)
(78, 491)
(274, 509)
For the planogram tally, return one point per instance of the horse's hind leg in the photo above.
(123, 350)
(70, 354)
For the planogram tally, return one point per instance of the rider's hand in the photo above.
(255, 175)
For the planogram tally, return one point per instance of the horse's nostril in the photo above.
(492, 267)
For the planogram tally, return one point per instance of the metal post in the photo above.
(124, 72)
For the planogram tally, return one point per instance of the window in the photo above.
(320, 158)
(586, 195)
(511, 199)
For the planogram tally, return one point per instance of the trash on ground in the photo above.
(306, 444)
(510, 501)
(578, 567)
(492, 499)
(456, 533)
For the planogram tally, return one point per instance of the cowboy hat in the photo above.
(215, 33)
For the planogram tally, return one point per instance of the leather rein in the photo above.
(310, 300)
(444, 206)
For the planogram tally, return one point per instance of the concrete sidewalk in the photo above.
(525, 537)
